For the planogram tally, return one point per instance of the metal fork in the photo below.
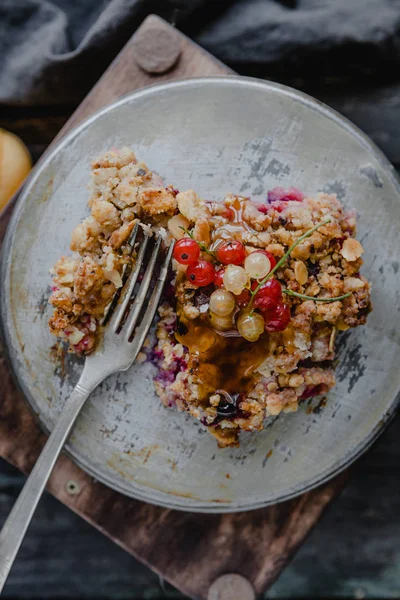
(123, 338)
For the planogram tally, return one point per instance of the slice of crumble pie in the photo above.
(259, 291)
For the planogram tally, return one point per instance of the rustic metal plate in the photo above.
(216, 135)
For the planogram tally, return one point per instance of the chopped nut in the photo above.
(191, 206)
(327, 260)
(276, 249)
(273, 410)
(119, 236)
(353, 283)
(329, 312)
(192, 312)
(296, 380)
(255, 218)
(283, 380)
(215, 399)
(291, 407)
(201, 232)
(351, 249)
(155, 201)
(176, 225)
(300, 272)
(272, 387)
(302, 250)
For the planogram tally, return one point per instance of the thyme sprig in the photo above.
(286, 256)
(203, 247)
(304, 297)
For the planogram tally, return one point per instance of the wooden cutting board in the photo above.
(191, 551)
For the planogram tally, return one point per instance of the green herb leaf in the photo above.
(304, 297)
(286, 256)
(203, 247)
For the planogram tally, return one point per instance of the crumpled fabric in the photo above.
(53, 51)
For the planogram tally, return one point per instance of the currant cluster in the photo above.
(240, 296)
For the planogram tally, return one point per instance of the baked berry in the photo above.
(278, 318)
(282, 195)
(200, 273)
(269, 295)
(231, 253)
(243, 298)
(219, 277)
(186, 251)
(263, 208)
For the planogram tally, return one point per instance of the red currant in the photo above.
(231, 253)
(201, 273)
(186, 251)
(269, 295)
(229, 214)
(278, 318)
(263, 208)
(243, 298)
(219, 277)
(279, 194)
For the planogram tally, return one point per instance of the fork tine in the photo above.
(127, 290)
(133, 236)
(111, 307)
(145, 325)
(132, 318)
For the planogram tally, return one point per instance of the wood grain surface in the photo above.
(189, 550)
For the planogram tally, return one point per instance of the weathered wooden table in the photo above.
(177, 545)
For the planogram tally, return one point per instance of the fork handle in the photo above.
(17, 523)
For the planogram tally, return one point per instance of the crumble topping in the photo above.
(260, 291)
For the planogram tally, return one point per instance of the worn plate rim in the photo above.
(168, 500)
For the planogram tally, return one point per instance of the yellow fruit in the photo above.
(222, 303)
(257, 265)
(250, 325)
(221, 323)
(15, 164)
(235, 279)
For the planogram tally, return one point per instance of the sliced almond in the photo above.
(191, 312)
(191, 206)
(215, 399)
(283, 380)
(300, 272)
(296, 380)
(351, 249)
(175, 225)
(201, 232)
(351, 284)
(332, 339)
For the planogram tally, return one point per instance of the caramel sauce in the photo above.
(234, 229)
(288, 339)
(219, 360)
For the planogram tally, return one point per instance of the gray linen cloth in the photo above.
(53, 51)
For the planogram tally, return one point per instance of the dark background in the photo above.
(344, 52)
